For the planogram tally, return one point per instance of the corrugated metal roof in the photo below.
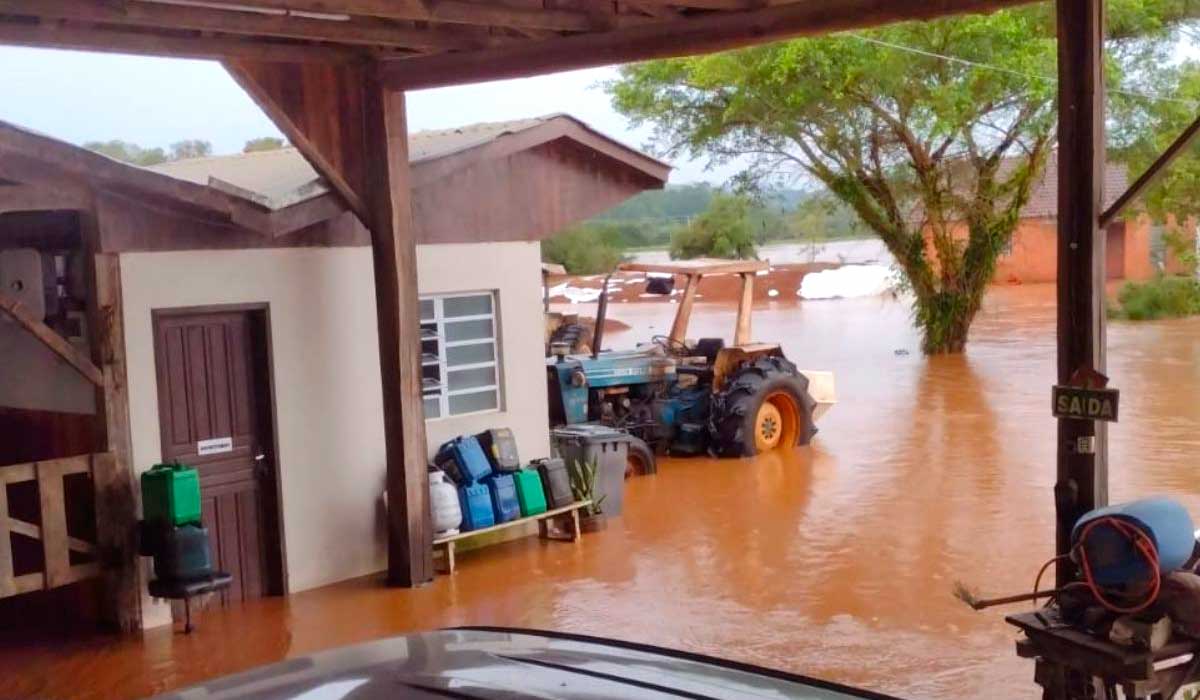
(283, 177)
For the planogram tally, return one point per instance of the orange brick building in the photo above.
(1032, 255)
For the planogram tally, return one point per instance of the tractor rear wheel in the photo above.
(764, 406)
(640, 459)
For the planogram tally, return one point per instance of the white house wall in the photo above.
(329, 416)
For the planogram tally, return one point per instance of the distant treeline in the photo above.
(701, 220)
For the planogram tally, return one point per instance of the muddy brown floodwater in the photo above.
(835, 560)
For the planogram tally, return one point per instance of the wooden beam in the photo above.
(689, 35)
(445, 11)
(742, 332)
(1082, 474)
(124, 41)
(112, 472)
(1156, 169)
(319, 109)
(161, 16)
(304, 214)
(53, 502)
(684, 315)
(15, 310)
(410, 535)
(34, 198)
(8, 586)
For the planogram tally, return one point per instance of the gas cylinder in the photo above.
(1113, 558)
(443, 500)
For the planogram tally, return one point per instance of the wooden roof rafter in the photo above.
(425, 43)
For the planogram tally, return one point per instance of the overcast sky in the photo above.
(77, 97)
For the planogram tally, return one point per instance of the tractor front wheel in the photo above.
(765, 406)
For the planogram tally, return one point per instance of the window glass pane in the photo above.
(469, 403)
(453, 307)
(472, 378)
(432, 408)
(468, 330)
(426, 309)
(470, 354)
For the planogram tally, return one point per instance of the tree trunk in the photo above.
(951, 341)
(945, 321)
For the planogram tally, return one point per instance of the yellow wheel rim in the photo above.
(777, 422)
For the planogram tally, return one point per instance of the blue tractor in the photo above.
(688, 398)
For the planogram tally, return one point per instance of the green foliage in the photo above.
(135, 154)
(586, 249)
(674, 202)
(1183, 248)
(915, 145)
(724, 230)
(1161, 297)
(583, 483)
(263, 143)
(127, 152)
(190, 148)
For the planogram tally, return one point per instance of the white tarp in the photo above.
(848, 282)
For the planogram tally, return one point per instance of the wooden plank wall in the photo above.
(30, 436)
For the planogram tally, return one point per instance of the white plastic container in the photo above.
(443, 502)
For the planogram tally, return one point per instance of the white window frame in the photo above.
(440, 319)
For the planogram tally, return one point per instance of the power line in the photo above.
(1010, 71)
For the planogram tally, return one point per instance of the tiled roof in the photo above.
(1043, 199)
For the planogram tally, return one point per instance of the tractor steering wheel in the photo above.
(670, 345)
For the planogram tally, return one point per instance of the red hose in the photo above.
(1141, 542)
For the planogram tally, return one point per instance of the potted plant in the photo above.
(583, 487)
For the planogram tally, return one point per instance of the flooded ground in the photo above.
(836, 560)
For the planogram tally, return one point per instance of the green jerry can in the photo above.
(529, 492)
(171, 495)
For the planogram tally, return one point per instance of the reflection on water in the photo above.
(836, 560)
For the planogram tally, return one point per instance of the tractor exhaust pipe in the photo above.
(601, 314)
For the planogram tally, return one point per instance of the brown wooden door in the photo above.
(214, 414)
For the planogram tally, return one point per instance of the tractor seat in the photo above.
(708, 348)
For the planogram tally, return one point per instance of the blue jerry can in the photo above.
(504, 497)
(464, 460)
(476, 504)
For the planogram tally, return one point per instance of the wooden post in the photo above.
(741, 335)
(1082, 478)
(684, 315)
(388, 203)
(112, 475)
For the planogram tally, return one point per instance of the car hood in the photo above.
(508, 663)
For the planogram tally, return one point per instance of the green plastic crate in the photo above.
(530, 494)
(171, 495)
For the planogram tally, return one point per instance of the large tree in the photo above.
(933, 133)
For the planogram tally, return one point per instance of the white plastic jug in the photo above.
(443, 500)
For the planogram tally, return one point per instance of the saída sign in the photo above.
(1086, 404)
(1086, 398)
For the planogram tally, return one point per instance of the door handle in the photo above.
(260, 466)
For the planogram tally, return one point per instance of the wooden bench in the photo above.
(559, 524)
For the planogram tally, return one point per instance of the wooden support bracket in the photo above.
(1156, 169)
(59, 345)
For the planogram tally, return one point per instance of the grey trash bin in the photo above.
(609, 447)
